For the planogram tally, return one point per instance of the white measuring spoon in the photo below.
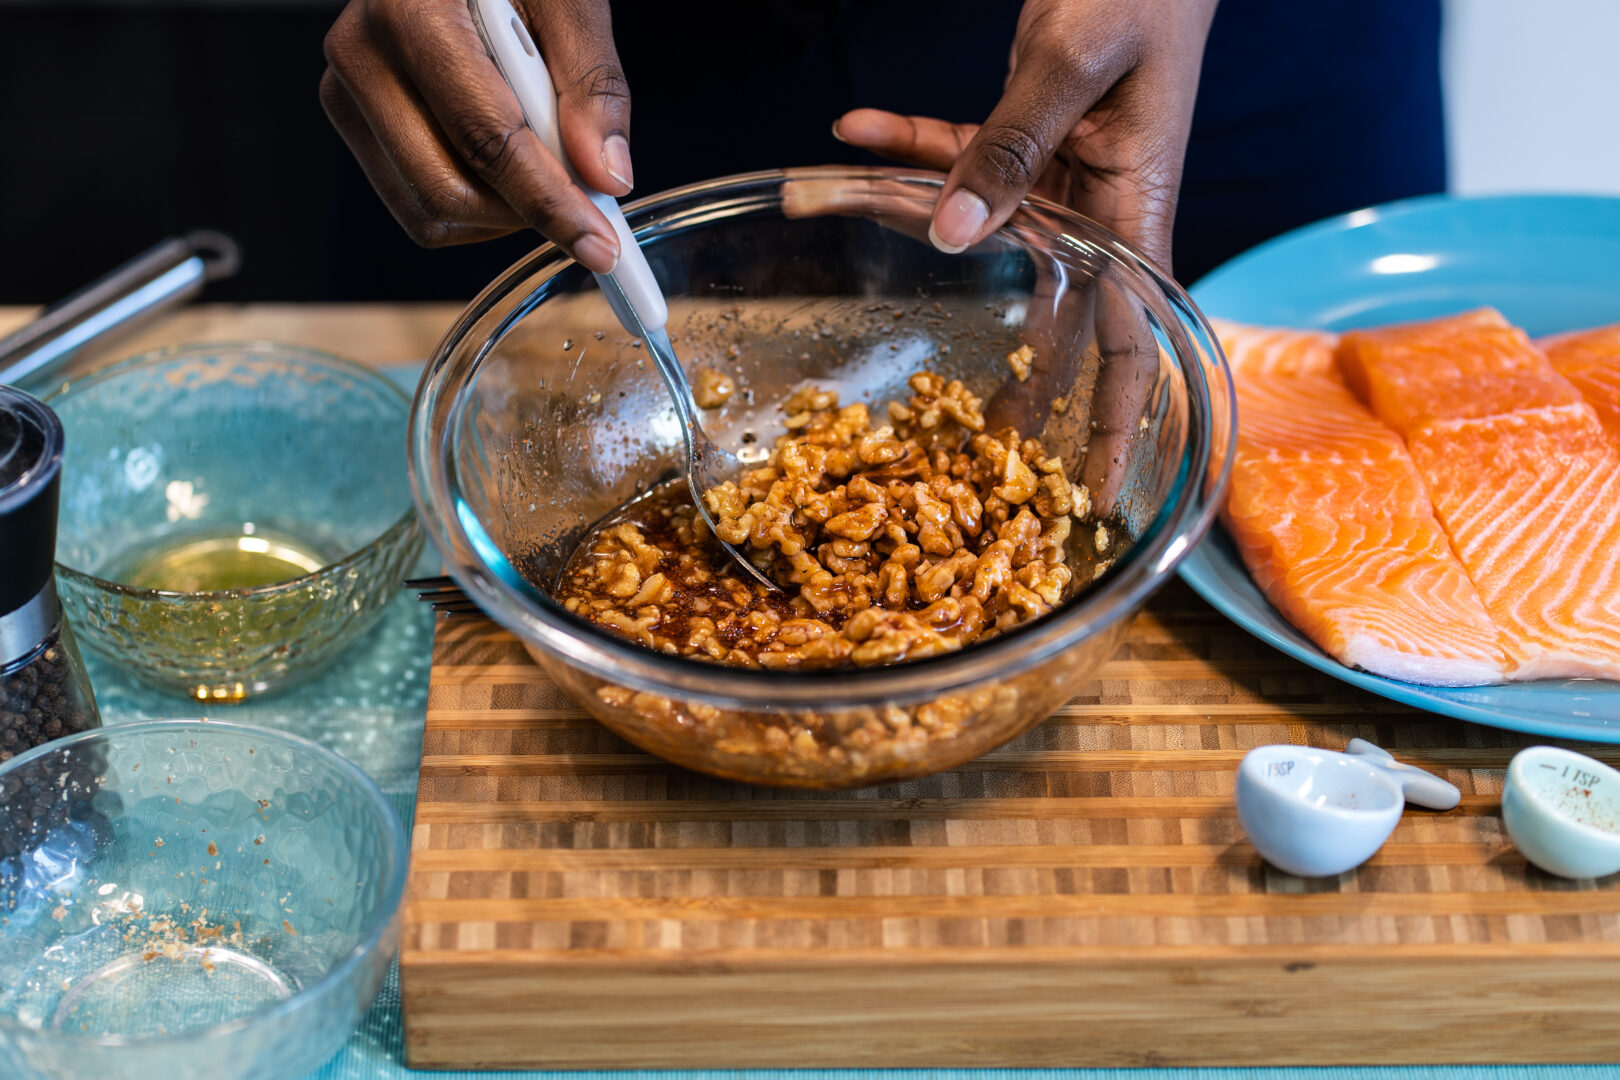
(1562, 810)
(1317, 813)
(631, 289)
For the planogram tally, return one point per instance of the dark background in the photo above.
(127, 122)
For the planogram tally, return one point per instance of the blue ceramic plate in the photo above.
(1548, 262)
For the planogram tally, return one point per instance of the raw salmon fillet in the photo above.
(1590, 360)
(1466, 366)
(1334, 523)
(1522, 476)
(1257, 351)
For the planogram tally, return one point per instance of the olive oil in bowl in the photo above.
(243, 557)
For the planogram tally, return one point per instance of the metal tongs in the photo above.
(631, 289)
(168, 273)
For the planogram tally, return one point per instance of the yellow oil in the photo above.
(239, 558)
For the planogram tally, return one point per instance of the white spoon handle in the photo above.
(519, 62)
(1422, 788)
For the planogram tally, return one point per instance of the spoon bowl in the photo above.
(1317, 813)
(1562, 810)
(708, 464)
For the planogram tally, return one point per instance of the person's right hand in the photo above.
(411, 90)
(1095, 115)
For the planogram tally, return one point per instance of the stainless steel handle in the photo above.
(170, 272)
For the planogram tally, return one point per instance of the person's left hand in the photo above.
(1095, 116)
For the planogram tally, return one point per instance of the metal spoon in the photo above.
(708, 464)
(631, 290)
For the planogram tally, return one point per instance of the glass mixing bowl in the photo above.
(233, 515)
(185, 900)
(538, 415)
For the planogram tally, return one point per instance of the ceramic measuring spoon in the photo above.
(631, 289)
(1562, 810)
(1317, 813)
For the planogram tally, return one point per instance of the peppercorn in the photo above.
(43, 696)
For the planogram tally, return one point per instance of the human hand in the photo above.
(1095, 116)
(439, 134)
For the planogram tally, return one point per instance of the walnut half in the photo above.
(712, 389)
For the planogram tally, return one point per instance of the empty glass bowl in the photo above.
(182, 899)
(232, 516)
(538, 416)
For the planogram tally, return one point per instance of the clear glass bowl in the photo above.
(185, 900)
(256, 448)
(537, 416)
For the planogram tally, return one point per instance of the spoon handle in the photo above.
(637, 301)
(1422, 788)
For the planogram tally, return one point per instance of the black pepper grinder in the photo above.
(44, 691)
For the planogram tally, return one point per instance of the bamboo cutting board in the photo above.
(1083, 896)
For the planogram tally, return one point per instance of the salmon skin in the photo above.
(1522, 476)
(1334, 523)
(1590, 360)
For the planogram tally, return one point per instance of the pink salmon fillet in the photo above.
(1590, 360)
(1521, 474)
(1334, 523)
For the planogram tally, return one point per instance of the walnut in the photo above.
(1082, 501)
(1019, 360)
(917, 536)
(712, 389)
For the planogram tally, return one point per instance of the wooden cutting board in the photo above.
(1083, 896)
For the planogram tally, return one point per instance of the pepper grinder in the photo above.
(44, 691)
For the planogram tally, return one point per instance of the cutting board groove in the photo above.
(1082, 896)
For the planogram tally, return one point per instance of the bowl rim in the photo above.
(1167, 540)
(1253, 779)
(370, 940)
(398, 527)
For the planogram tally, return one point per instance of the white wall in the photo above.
(1533, 95)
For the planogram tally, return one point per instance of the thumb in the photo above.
(593, 98)
(1047, 95)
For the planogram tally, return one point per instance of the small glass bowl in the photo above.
(181, 899)
(241, 448)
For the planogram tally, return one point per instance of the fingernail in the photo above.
(837, 136)
(957, 222)
(616, 160)
(596, 254)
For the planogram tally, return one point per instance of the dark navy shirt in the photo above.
(1306, 108)
(179, 116)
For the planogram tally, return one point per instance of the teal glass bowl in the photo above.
(181, 900)
(226, 451)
